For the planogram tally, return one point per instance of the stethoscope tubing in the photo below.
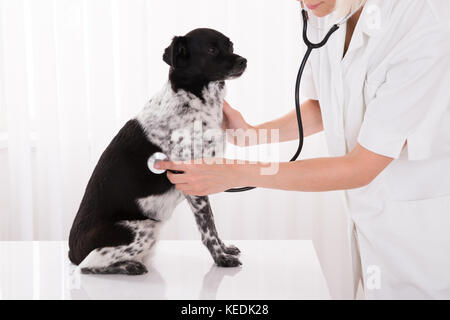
(310, 47)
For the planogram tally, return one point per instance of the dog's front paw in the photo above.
(234, 251)
(228, 261)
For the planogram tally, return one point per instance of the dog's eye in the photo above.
(213, 51)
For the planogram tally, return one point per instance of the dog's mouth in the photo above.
(238, 69)
(236, 72)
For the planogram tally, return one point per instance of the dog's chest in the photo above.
(184, 126)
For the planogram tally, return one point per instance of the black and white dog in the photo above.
(125, 203)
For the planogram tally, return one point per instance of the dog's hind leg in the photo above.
(123, 259)
(128, 267)
(223, 256)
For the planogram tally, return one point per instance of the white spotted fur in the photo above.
(161, 207)
(164, 121)
(145, 234)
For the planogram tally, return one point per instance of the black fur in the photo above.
(120, 177)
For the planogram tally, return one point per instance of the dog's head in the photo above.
(204, 53)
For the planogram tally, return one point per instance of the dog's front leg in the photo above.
(223, 256)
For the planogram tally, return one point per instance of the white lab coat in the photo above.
(391, 88)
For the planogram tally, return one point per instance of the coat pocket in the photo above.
(410, 245)
(421, 225)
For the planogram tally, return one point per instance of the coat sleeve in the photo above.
(409, 105)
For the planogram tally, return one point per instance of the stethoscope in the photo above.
(158, 156)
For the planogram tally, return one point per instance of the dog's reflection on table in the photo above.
(212, 280)
(149, 286)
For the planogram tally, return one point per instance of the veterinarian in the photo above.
(380, 91)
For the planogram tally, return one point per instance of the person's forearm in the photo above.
(354, 170)
(314, 175)
(311, 118)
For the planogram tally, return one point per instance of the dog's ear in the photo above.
(176, 53)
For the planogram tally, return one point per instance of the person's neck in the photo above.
(351, 25)
(353, 21)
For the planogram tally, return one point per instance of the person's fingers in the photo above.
(193, 192)
(189, 189)
(226, 105)
(186, 189)
(227, 109)
(169, 165)
(177, 178)
(183, 188)
(225, 121)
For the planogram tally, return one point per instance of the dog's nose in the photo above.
(241, 62)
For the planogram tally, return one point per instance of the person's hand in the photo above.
(233, 120)
(201, 179)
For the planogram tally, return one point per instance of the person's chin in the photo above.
(320, 14)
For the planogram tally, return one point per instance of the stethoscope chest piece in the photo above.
(154, 158)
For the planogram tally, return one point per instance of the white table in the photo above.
(178, 270)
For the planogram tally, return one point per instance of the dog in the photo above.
(125, 204)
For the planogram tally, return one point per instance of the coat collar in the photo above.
(373, 22)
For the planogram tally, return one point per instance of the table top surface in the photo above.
(284, 269)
